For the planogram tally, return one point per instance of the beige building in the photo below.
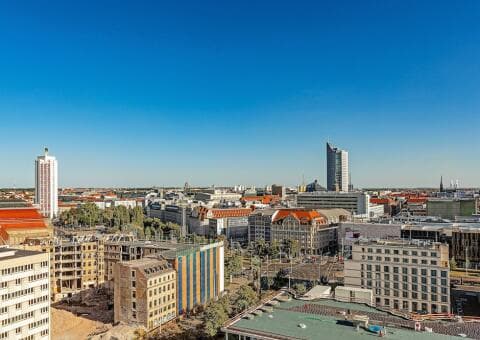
(308, 227)
(410, 276)
(24, 295)
(144, 292)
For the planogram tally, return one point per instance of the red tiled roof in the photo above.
(379, 200)
(20, 218)
(266, 199)
(301, 215)
(223, 213)
(417, 199)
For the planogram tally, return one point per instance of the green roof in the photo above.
(282, 323)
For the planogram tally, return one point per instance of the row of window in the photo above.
(397, 260)
(166, 298)
(161, 289)
(17, 318)
(16, 294)
(164, 309)
(38, 323)
(17, 269)
(405, 270)
(403, 252)
(38, 300)
(4, 309)
(415, 306)
(405, 279)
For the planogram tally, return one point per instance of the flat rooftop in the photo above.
(323, 320)
(12, 253)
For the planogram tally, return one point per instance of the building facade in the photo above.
(449, 208)
(307, 227)
(337, 169)
(200, 268)
(409, 276)
(145, 292)
(25, 294)
(259, 225)
(46, 184)
(357, 203)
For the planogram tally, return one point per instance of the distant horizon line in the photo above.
(228, 187)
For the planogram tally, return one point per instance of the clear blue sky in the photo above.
(150, 93)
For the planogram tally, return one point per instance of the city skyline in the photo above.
(154, 94)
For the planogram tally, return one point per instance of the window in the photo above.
(395, 251)
(405, 252)
(414, 261)
(433, 272)
(444, 273)
(424, 272)
(379, 251)
(433, 254)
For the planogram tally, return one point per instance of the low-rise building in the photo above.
(410, 276)
(25, 294)
(144, 292)
(20, 223)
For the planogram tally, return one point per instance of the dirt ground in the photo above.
(67, 326)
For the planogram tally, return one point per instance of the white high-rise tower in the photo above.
(46, 184)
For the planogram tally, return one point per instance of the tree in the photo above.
(266, 282)
(453, 264)
(233, 265)
(148, 233)
(274, 249)
(216, 314)
(245, 298)
(136, 216)
(291, 247)
(300, 288)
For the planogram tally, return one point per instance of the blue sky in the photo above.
(248, 92)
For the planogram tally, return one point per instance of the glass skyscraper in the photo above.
(337, 169)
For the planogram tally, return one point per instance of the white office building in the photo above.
(46, 184)
(357, 203)
(24, 294)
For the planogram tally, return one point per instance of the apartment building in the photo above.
(144, 292)
(410, 276)
(308, 227)
(24, 294)
(77, 264)
(200, 268)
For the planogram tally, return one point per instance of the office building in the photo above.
(46, 184)
(308, 227)
(233, 223)
(449, 208)
(259, 225)
(25, 294)
(357, 203)
(337, 169)
(409, 276)
(144, 292)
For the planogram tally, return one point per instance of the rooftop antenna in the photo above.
(45, 149)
